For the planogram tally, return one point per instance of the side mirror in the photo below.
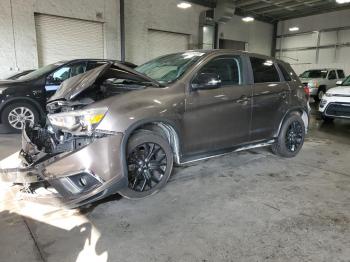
(339, 83)
(206, 81)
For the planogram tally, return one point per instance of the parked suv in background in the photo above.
(336, 102)
(24, 99)
(117, 130)
(320, 80)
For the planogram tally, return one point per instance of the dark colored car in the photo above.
(18, 75)
(24, 99)
(118, 130)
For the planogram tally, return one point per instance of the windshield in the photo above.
(41, 71)
(169, 68)
(314, 74)
(346, 82)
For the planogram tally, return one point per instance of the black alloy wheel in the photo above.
(146, 165)
(294, 136)
(291, 137)
(149, 160)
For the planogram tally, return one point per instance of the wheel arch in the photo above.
(23, 100)
(302, 112)
(163, 126)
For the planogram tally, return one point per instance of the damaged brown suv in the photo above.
(118, 130)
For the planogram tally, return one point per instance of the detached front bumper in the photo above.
(80, 177)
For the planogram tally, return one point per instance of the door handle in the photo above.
(243, 100)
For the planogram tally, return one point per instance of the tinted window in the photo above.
(264, 70)
(286, 75)
(341, 74)
(314, 74)
(332, 75)
(228, 69)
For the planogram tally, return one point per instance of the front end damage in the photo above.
(81, 168)
(70, 152)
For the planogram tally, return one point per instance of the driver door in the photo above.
(218, 118)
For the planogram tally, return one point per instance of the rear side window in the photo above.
(287, 76)
(264, 71)
(332, 75)
(341, 74)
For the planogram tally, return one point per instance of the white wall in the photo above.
(257, 34)
(302, 60)
(141, 15)
(20, 52)
(17, 41)
(18, 49)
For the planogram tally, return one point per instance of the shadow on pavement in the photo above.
(30, 240)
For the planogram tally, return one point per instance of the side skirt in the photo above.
(217, 153)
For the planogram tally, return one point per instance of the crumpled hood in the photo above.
(340, 90)
(73, 86)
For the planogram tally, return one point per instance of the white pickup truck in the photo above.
(320, 80)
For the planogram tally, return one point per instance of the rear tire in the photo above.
(150, 162)
(320, 93)
(291, 137)
(15, 115)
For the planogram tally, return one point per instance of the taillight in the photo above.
(307, 90)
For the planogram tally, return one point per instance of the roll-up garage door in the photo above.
(61, 38)
(161, 43)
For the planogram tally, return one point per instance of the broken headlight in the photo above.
(78, 120)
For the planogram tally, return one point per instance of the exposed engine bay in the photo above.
(95, 85)
(48, 142)
(55, 136)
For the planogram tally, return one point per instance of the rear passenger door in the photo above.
(270, 98)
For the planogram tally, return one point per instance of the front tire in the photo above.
(15, 115)
(320, 93)
(150, 162)
(291, 137)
